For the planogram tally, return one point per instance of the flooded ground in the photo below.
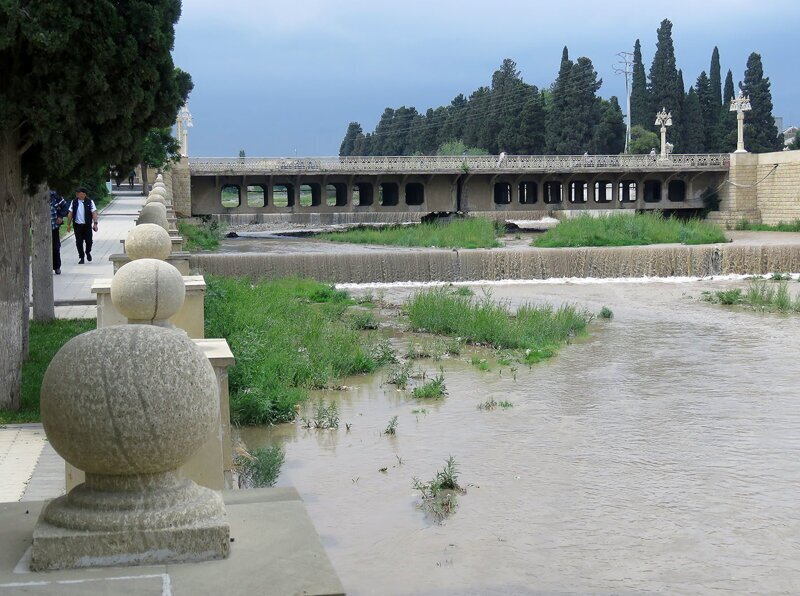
(661, 454)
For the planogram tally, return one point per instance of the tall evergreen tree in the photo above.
(693, 138)
(532, 125)
(761, 133)
(727, 120)
(353, 130)
(640, 94)
(453, 126)
(608, 137)
(556, 115)
(715, 78)
(666, 91)
(710, 110)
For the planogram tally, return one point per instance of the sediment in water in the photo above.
(480, 264)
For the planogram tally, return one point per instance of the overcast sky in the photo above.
(285, 78)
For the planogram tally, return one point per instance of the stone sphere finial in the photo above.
(155, 213)
(159, 177)
(159, 190)
(155, 198)
(144, 405)
(148, 291)
(148, 241)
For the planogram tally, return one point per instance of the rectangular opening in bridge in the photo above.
(528, 193)
(603, 191)
(230, 195)
(256, 194)
(415, 193)
(652, 191)
(310, 195)
(552, 192)
(336, 194)
(502, 193)
(578, 191)
(362, 194)
(282, 195)
(676, 191)
(388, 194)
(627, 191)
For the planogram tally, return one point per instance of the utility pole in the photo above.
(625, 66)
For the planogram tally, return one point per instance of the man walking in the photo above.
(58, 211)
(82, 211)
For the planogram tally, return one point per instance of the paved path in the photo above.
(30, 468)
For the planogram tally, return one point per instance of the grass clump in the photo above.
(744, 224)
(761, 295)
(433, 389)
(324, 417)
(288, 336)
(537, 330)
(204, 236)
(439, 496)
(493, 404)
(399, 375)
(260, 467)
(44, 340)
(391, 428)
(472, 232)
(480, 363)
(629, 230)
(606, 313)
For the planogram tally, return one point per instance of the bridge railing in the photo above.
(444, 164)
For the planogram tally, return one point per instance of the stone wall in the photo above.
(181, 188)
(762, 188)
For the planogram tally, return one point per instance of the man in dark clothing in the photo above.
(58, 211)
(83, 213)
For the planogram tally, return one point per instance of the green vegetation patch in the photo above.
(44, 340)
(288, 336)
(260, 467)
(629, 230)
(204, 236)
(474, 232)
(760, 294)
(744, 224)
(538, 330)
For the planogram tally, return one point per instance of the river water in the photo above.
(660, 454)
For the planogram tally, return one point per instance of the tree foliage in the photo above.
(641, 105)
(761, 133)
(666, 88)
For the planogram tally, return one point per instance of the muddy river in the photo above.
(660, 454)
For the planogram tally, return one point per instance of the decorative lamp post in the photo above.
(182, 125)
(740, 104)
(664, 119)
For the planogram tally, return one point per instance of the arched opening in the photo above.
(310, 195)
(502, 193)
(388, 194)
(603, 191)
(652, 191)
(256, 196)
(578, 191)
(336, 194)
(627, 191)
(415, 193)
(283, 195)
(362, 194)
(528, 192)
(676, 190)
(230, 195)
(552, 192)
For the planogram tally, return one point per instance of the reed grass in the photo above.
(44, 340)
(629, 230)
(760, 294)
(204, 236)
(260, 467)
(288, 336)
(460, 233)
(744, 224)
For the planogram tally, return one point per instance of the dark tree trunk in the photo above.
(42, 261)
(144, 178)
(13, 236)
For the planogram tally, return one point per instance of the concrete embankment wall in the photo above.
(474, 265)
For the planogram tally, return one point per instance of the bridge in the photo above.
(396, 188)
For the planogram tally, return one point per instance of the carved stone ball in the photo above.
(159, 177)
(148, 241)
(155, 198)
(128, 399)
(160, 190)
(148, 290)
(155, 213)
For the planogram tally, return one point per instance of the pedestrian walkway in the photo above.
(73, 288)
(30, 468)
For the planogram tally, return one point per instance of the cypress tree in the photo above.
(353, 130)
(666, 90)
(714, 77)
(727, 120)
(609, 133)
(640, 95)
(714, 137)
(710, 110)
(556, 117)
(693, 139)
(761, 133)
(532, 125)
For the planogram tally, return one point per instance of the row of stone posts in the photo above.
(144, 427)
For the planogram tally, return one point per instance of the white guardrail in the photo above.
(443, 164)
